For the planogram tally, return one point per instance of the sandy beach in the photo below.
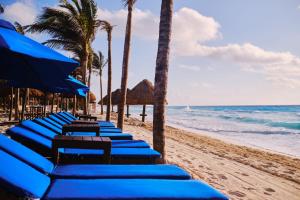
(238, 171)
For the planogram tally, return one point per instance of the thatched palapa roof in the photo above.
(141, 94)
(115, 97)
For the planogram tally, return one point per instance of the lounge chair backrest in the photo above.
(57, 120)
(62, 118)
(47, 125)
(52, 122)
(30, 136)
(69, 114)
(41, 130)
(66, 117)
(20, 179)
(26, 155)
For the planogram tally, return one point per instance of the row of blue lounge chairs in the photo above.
(25, 171)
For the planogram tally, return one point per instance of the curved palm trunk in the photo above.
(89, 65)
(84, 64)
(109, 77)
(161, 76)
(125, 69)
(101, 102)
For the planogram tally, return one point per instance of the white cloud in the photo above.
(190, 67)
(191, 30)
(23, 11)
(144, 23)
(298, 7)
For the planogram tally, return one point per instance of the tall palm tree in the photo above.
(99, 63)
(161, 76)
(106, 26)
(121, 110)
(73, 27)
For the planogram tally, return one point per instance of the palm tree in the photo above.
(72, 27)
(106, 26)
(99, 63)
(129, 4)
(161, 76)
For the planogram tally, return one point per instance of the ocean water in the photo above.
(275, 128)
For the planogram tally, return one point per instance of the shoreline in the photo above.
(229, 140)
(239, 171)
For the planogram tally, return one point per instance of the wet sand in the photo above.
(238, 171)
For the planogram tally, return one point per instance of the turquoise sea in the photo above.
(276, 128)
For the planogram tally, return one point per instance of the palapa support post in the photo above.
(57, 103)
(52, 103)
(45, 102)
(11, 103)
(127, 113)
(67, 104)
(24, 104)
(17, 91)
(74, 104)
(112, 108)
(61, 102)
(143, 113)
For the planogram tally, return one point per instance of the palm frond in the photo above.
(19, 28)
(1, 9)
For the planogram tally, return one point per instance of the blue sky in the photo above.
(223, 52)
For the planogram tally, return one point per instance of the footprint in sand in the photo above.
(222, 176)
(269, 190)
(244, 174)
(237, 193)
(267, 193)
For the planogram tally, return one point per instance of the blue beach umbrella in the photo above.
(70, 85)
(23, 59)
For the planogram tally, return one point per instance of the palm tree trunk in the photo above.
(74, 104)
(84, 64)
(101, 102)
(89, 79)
(161, 77)
(125, 69)
(109, 77)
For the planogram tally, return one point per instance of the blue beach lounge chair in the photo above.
(42, 143)
(21, 180)
(115, 143)
(45, 131)
(82, 171)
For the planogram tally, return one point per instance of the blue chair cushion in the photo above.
(131, 189)
(119, 171)
(26, 155)
(70, 115)
(66, 117)
(112, 136)
(134, 153)
(52, 122)
(129, 144)
(57, 120)
(139, 153)
(48, 125)
(39, 129)
(28, 135)
(110, 130)
(21, 179)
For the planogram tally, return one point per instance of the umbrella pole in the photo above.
(127, 114)
(11, 103)
(24, 104)
(144, 113)
(67, 104)
(52, 103)
(74, 105)
(45, 102)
